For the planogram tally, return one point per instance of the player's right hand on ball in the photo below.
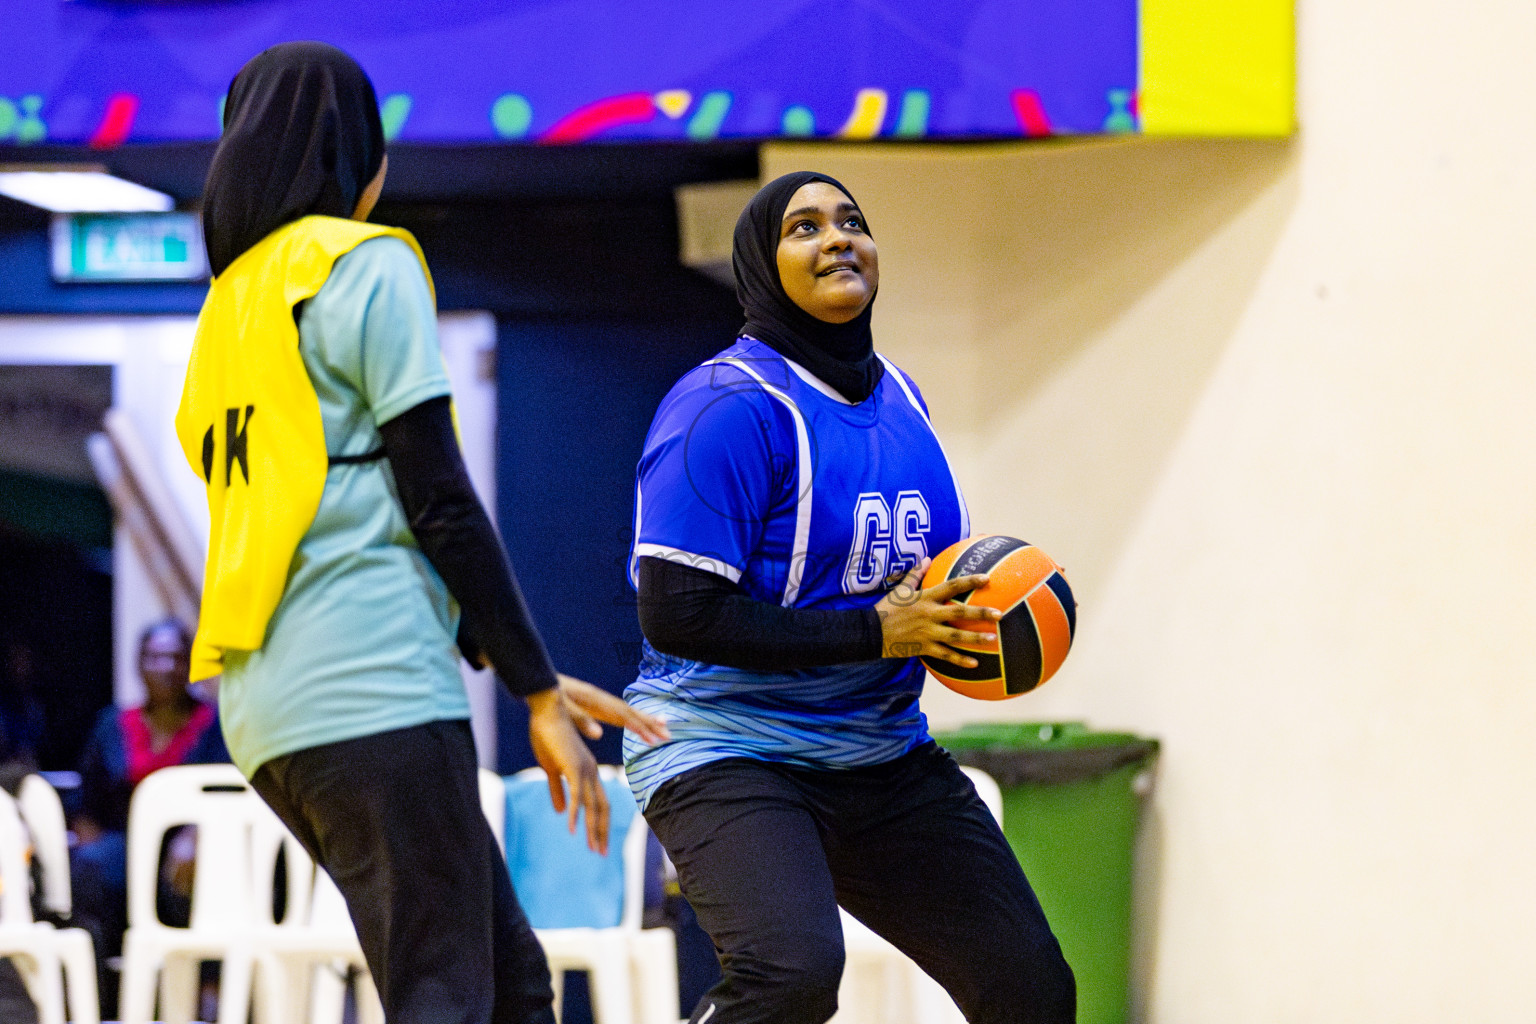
(573, 781)
(915, 622)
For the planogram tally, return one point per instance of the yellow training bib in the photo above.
(249, 425)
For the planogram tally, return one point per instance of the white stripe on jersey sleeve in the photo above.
(681, 557)
(965, 514)
(795, 573)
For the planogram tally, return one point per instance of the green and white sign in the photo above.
(128, 247)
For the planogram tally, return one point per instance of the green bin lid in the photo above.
(1051, 753)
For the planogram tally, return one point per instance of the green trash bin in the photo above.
(1071, 803)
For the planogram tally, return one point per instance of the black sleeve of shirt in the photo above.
(692, 613)
(456, 536)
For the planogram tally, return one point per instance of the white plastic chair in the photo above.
(316, 940)
(43, 814)
(880, 983)
(225, 909)
(47, 958)
(632, 971)
(317, 944)
(990, 792)
(493, 804)
(329, 982)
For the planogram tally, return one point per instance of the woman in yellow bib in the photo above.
(349, 560)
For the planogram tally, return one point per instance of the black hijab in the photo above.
(842, 355)
(301, 135)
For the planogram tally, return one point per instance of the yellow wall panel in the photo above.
(1218, 67)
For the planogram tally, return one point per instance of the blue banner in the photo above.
(108, 72)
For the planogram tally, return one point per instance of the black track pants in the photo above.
(395, 818)
(765, 853)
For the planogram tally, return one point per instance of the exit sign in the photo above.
(128, 247)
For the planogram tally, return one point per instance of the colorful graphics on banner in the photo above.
(108, 72)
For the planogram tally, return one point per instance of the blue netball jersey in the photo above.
(757, 471)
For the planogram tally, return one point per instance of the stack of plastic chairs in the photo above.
(586, 909)
(226, 912)
(300, 961)
(304, 961)
(47, 957)
(316, 943)
(880, 984)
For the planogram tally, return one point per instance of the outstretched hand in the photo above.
(557, 720)
(916, 622)
(591, 706)
(574, 785)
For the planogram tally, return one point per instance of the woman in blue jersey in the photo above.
(348, 713)
(790, 492)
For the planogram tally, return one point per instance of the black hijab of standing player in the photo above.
(302, 135)
(841, 354)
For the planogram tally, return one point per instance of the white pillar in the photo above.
(469, 350)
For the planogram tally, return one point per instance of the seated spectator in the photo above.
(22, 719)
(172, 727)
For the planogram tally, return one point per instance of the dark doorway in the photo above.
(55, 564)
(55, 625)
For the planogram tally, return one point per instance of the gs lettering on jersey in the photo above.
(236, 446)
(863, 494)
(890, 539)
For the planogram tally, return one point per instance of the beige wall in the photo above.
(1274, 407)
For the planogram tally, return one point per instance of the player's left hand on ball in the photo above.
(574, 785)
(590, 706)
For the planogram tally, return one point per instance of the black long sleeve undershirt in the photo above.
(456, 536)
(692, 613)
